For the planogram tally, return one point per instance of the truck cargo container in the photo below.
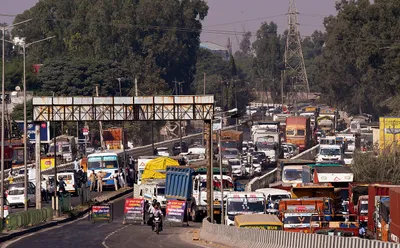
(383, 218)
(375, 192)
(113, 138)
(339, 176)
(179, 183)
(394, 227)
(298, 132)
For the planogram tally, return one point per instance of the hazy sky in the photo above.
(236, 15)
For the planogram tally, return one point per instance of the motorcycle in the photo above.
(157, 224)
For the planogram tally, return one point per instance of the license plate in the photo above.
(217, 212)
(14, 198)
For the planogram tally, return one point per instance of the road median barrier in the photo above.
(244, 237)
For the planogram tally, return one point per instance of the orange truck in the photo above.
(298, 132)
(230, 139)
(113, 138)
(297, 214)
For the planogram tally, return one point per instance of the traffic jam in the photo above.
(317, 195)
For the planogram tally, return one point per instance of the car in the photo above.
(162, 151)
(229, 153)
(249, 169)
(348, 158)
(89, 150)
(257, 165)
(15, 197)
(238, 169)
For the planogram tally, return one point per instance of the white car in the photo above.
(238, 169)
(163, 151)
(348, 158)
(15, 197)
(256, 165)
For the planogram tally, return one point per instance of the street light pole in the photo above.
(3, 29)
(21, 42)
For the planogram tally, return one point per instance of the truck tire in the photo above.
(195, 215)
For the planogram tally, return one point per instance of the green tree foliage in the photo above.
(312, 51)
(156, 40)
(18, 111)
(268, 60)
(361, 56)
(369, 168)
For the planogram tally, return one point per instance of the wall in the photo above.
(241, 237)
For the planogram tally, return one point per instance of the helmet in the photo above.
(154, 202)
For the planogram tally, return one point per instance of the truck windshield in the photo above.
(229, 152)
(160, 191)
(240, 205)
(301, 132)
(265, 145)
(297, 219)
(330, 151)
(292, 174)
(289, 132)
(228, 144)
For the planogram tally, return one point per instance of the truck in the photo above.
(198, 205)
(298, 132)
(326, 123)
(154, 180)
(243, 203)
(297, 214)
(394, 227)
(267, 139)
(375, 193)
(113, 138)
(230, 139)
(66, 147)
(339, 176)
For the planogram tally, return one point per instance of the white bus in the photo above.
(106, 162)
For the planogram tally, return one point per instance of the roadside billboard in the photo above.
(46, 163)
(44, 131)
(389, 133)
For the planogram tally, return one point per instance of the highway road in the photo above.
(84, 233)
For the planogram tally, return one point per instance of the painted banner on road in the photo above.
(134, 208)
(175, 211)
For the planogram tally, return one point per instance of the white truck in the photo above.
(243, 203)
(329, 153)
(154, 189)
(198, 205)
(65, 147)
(267, 139)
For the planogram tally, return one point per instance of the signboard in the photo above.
(134, 209)
(175, 211)
(335, 177)
(44, 131)
(46, 163)
(217, 124)
(101, 212)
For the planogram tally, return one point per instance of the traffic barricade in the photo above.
(175, 212)
(101, 212)
(134, 210)
(64, 203)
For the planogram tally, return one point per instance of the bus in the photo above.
(106, 162)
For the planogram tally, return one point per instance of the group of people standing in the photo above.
(96, 180)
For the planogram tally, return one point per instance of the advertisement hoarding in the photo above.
(389, 130)
(44, 131)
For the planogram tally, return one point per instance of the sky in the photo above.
(230, 18)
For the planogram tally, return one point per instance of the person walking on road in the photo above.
(92, 179)
(100, 177)
(121, 179)
(115, 176)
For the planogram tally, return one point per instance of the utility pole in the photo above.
(222, 179)
(136, 87)
(209, 159)
(100, 123)
(37, 165)
(294, 59)
(55, 162)
(262, 99)
(178, 91)
(282, 80)
(204, 93)
(119, 83)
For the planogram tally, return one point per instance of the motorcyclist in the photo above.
(158, 212)
(151, 212)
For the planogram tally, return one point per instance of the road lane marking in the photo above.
(109, 235)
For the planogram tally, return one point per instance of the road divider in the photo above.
(256, 238)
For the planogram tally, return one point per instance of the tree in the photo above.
(365, 168)
(157, 40)
(18, 111)
(268, 59)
